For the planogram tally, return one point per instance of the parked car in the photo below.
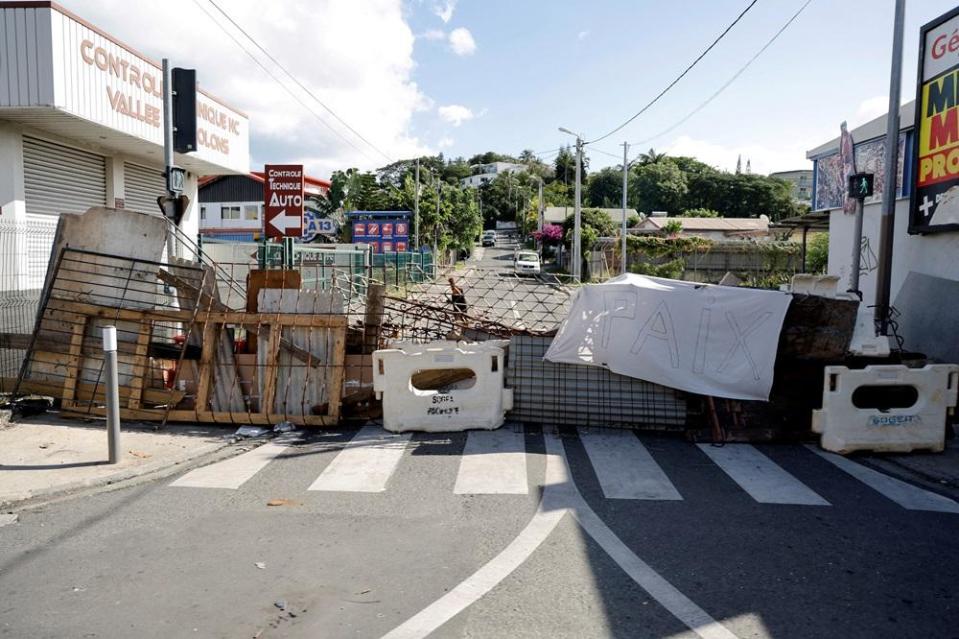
(526, 263)
(489, 238)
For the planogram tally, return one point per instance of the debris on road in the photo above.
(282, 502)
(280, 603)
(251, 431)
(140, 454)
(284, 427)
(261, 565)
(8, 518)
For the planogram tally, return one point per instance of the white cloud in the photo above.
(582, 35)
(870, 109)
(455, 114)
(445, 10)
(462, 42)
(445, 142)
(433, 34)
(359, 52)
(763, 159)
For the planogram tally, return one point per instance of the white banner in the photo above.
(701, 338)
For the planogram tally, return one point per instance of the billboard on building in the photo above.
(385, 235)
(934, 206)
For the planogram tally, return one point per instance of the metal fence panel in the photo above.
(548, 393)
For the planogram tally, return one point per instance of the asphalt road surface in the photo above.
(494, 292)
(509, 533)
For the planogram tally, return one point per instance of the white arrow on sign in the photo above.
(283, 221)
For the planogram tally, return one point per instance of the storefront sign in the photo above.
(103, 81)
(934, 205)
(283, 200)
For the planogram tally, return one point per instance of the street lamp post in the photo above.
(577, 256)
(622, 260)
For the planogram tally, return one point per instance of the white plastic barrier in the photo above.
(846, 428)
(483, 404)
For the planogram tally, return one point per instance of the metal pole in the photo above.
(887, 222)
(112, 393)
(436, 227)
(856, 248)
(577, 256)
(542, 207)
(622, 261)
(416, 208)
(168, 146)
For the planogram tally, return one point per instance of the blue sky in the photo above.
(589, 66)
(420, 76)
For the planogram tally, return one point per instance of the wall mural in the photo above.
(831, 184)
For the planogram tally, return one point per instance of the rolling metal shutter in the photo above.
(58, 179)
(142, 187)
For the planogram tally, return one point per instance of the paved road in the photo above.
(511, 533)
(494, 292)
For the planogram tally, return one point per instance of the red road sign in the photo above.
(283, 200)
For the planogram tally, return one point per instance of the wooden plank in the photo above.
(140, 365)
(207, 417)
(270, 369)
(205, 375)
(299, 388)
(85, 391)
(73, 362)
(337, 373)
(232, 317)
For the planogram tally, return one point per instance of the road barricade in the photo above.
(886, 408)
(442, 386)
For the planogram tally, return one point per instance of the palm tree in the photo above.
(651, 157)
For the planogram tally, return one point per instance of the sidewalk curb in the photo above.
(133, 476)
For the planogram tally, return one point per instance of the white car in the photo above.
(526, 263)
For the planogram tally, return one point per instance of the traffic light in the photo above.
(174, 207)
(183, 85)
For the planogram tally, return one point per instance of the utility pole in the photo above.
(888, 220)
(168, 150)
(540, 221)
(436, 227)
(622, 259)
(416, 210)
(578, 214)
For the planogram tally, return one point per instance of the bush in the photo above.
(817, 253)
(700, 212)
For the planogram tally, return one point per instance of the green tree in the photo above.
(594, 225)
(657, 186)
(605, 188)
(651, 157)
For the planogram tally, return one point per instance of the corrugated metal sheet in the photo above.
(232, 188)
(548, 393)
(26, 57)
(141, 187)
(59, 179)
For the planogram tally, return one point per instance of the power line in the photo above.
(681, 75)
(298, 83)
(732, 79)
(280, 82)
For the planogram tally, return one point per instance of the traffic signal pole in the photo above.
(168, 205)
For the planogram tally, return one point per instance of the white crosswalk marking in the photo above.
(493, 463)
(366, 464)
(905, 494)
(233, 472)
(625, 468)
(761, 477)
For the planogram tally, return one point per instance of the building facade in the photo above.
(801, 180)
(925, 271)
(231, 206)
(81, 125)
(483, 173)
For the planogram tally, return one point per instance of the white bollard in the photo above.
(112, 392)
